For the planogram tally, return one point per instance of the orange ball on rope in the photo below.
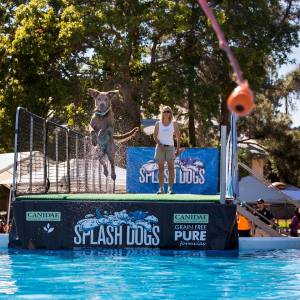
(241, 100)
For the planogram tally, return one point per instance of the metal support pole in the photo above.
(106, 179)
(56, 158)
(68, 162)
(9, 206)
(223, 164)
(30, 153)
(235, 176)
(99, 176)
(85, 164)
(76, 162)
(45, 131)
(93, 174)
(16, 150)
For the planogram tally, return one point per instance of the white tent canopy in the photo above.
(252, 189)
(7, 163)
(6, 168)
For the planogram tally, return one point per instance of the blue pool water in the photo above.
(120, 274)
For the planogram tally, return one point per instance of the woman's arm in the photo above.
(177, 134)
(155, 134)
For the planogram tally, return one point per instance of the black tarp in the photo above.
(94, 224)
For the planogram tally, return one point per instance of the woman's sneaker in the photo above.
(170, 191)
(161, 190)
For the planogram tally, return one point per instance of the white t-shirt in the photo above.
(166, 133)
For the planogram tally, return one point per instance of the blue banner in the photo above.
(196, 171)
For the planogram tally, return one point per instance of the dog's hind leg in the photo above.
(113, 174)
(105, 170)
(111, 158)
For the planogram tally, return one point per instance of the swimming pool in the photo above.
(149, 274)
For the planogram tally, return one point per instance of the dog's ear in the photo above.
(113, 93)
(113, 96)
(93, 93)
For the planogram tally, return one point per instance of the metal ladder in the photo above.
(251, 214)
(246, 211)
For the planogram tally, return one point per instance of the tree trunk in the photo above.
(192, 132)
(132, 108)
(224, 118)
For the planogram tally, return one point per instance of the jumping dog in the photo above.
(102, 128)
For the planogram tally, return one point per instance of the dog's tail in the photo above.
(121, 138)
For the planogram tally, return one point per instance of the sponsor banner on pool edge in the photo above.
(86, 224)
(122, 228)
(196, 171)
(190, 229)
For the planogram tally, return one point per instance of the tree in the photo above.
(39, 43)
(198, 76)
(272, 129)
(155, 52)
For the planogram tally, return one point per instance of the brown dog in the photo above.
(101, 128)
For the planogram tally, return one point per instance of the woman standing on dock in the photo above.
(165, 151)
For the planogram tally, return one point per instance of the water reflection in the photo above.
(7, 284)
(130, 252)
(149, 274)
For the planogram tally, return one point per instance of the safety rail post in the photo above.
(85, 164)
(9, 206)
(235, 157)
(76, 163)
(93, 173)
(45, 140)
(223, 165)
(56, 159)
(99, 176)
(30, 153)
(68, 162)
(16, 152)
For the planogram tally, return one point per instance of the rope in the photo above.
(222, 41)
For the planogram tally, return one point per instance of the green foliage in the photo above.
(39, 68)
(154, 52)
(272, 130)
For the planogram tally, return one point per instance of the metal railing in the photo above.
(50, 158)
(259, 220)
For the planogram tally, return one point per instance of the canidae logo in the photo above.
(53, 216)
(191, 218)
(191, 229)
